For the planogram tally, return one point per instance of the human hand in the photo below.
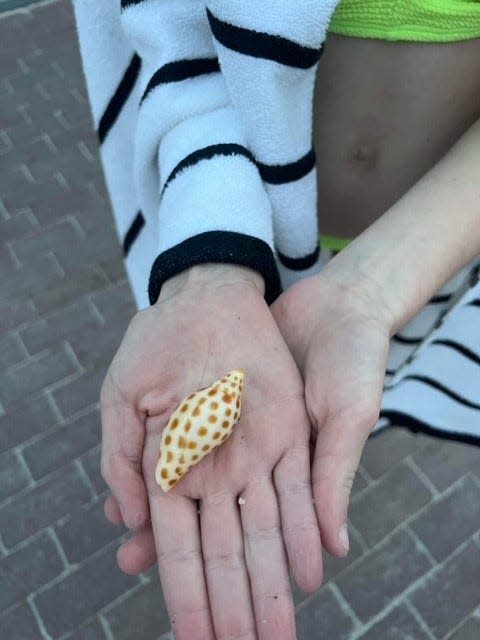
(339, 337)
(224, 571)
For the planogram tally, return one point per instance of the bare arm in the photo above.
(423, 239)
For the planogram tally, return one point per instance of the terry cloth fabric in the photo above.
(188, 167)
(190, 151)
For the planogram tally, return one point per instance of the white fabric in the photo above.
(266, 107)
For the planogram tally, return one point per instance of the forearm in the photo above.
(422, 240)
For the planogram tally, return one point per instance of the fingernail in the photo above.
(343, 537)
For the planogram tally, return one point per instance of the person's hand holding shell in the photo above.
(227, 529)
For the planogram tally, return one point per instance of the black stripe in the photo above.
(440, 387)
(181, 70)
(390, 372)
(263, 45)
(299, 264)
(460, 348)
(445, 297)
(282, 173)
(132, 233)
(207, 153)
(226, 247)
(404, 340)
(473, 303)
(130, 3)
(398, 419)
(119, 98)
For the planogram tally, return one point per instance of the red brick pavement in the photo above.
(414, 567)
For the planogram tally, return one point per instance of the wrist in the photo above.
(212, 275)
(356, 282)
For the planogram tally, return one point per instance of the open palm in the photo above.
(223, 567)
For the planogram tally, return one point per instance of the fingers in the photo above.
(122, 447)
(299, 522)
(267, 563)
(177, 540)
(337, 455)
(112, 511)
(138, 554)
(226, 571)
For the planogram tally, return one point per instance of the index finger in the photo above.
(177, 539)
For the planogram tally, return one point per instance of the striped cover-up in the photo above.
(204, 112)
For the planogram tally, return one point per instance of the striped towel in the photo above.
(204, 112)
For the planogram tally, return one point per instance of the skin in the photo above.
(365, 165)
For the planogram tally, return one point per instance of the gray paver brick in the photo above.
(386, 449)
(323, 617)
(451, 592)
(18, 623)
(400, 494)
(40, 506)
(91, 464)
(91, 631)
(35, 374)
(86, 532)
(143, 613)
(469, 630)
(445, 462)
(11, 350)
(446, 524)
(27, 569)
(399, 624)
(13, 475)
(26, 419)
(68, 603)
(62, 444)
(371, 584)
(46, 331)
(80, 392)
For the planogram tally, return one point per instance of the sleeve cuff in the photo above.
(219, 247)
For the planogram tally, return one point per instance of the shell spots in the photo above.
(182, 459)
(202, 401)
(169, 456)
(164, 473)
(228, 412)
(195, 457)
(225, 424)
(172, 483)
(227, 397)
(214, 406)
(192, 445)
(188, 426)
(224, 380)
(237, 404)
(225, 436)
(206, 447)
(216, 435)
(175, 423)
(168, 440)
(191, 396)
(196, 412)
(233, 385)
(212, 419)
(179, 471)
(182, 443)
(213, 392)
(235, 415)
(184, 407)
(202, 432)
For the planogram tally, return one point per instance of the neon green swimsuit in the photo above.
(417, 20)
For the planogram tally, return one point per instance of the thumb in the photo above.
(339, 447)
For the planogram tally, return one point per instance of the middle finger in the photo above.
(226, 572)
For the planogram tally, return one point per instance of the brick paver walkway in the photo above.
(414, 568)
